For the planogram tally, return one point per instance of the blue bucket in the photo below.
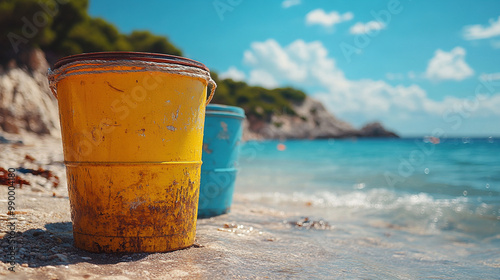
(221, 140)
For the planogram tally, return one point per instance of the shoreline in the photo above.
(251, 242)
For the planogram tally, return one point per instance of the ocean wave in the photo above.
(371, 199)
(460, 214)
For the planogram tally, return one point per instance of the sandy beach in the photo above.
(238, 245)
(251, 242)
(224, 247)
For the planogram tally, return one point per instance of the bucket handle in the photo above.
(52, 82)
(212, 91)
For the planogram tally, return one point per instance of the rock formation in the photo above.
(312, 121)
(375, 129)
(26, 103)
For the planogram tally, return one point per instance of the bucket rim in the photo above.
(222, 109)
(122, 55)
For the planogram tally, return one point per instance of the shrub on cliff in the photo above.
(63, 28)
(257, 101)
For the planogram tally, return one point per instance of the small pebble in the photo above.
(86, 258)
(38, 232)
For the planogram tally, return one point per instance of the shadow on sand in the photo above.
(54, 246)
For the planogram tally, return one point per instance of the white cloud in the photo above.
(289, 3)
(477, 31)
(449, 65)
(319, 16)
(262, 78)
(305, 64)
(233, 73)
(366, 28)
(490, 77)
(269, 56)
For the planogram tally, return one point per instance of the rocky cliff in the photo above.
(312, 121)
(28, 106)
(26, 103)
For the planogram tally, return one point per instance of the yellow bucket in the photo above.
(132, 131)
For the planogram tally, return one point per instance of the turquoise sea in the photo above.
(403, 208)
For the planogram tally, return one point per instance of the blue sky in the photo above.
(419, 67)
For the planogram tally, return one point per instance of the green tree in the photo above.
(66, 18)
(257, 101)
(144, 41)
(66, 29)
(91, 35)
(23, 25)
